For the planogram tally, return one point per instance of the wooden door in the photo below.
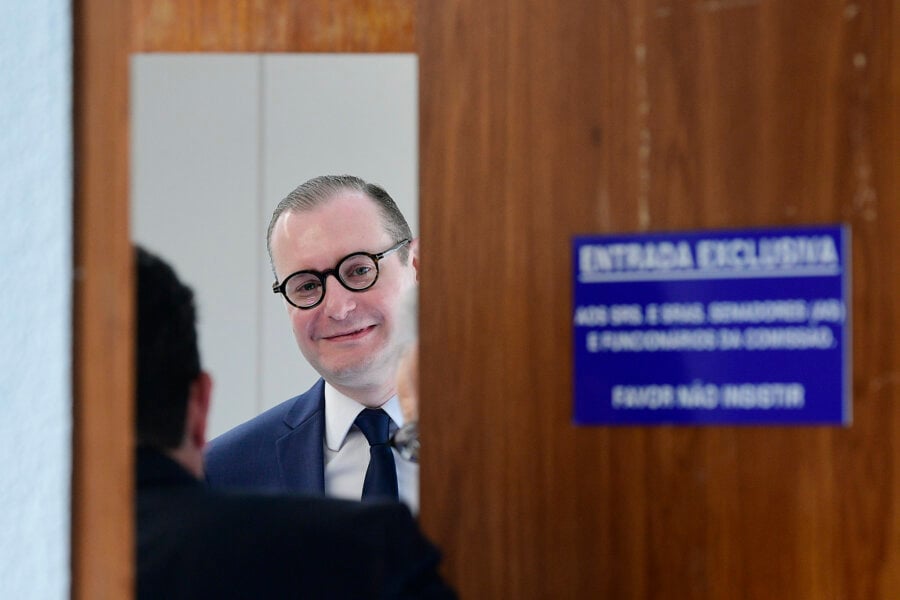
(541, 120)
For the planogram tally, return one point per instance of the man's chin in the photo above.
(364, 369)
(348, 374)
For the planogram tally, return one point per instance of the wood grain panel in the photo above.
(274, 26)
(105, 33)
(102, 523)
(540, 121)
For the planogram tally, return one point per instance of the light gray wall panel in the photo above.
(195, 165)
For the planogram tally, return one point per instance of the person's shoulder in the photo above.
(334, 522)
(246, 457)
(411, 558)
(268, 425)
(399, 561)
(282, 543)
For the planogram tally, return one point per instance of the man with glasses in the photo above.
(344, 259)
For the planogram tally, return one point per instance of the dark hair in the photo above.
(319, 190)
(168, 359)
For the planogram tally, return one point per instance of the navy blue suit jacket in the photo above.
(278, 450)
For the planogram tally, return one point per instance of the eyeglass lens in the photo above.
(355, 272)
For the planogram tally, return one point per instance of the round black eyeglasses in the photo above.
(357, 272)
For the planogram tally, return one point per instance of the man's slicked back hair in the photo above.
(168, 360)
(319, 190)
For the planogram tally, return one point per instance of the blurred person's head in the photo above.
(172, 390)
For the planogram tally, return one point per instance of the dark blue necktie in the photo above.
(381, 476)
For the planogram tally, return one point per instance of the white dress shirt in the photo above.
(347, 450)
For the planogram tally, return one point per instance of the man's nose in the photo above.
(338, 301)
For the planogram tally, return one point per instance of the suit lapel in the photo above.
(300, 455)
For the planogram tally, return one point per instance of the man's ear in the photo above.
(198, 410)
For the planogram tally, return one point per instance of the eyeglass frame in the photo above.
(323, 275)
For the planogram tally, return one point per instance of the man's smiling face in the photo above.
(352, 338)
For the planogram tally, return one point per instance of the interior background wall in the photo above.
(544, 120)
(35, 295)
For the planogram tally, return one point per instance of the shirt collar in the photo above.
(341, 411)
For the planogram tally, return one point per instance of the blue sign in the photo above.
(713, 327)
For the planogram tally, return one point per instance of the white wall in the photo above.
(217, 141)
(35, 296)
